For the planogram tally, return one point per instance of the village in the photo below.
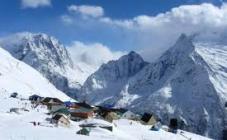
(61, 114)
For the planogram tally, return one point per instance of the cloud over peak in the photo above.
(92, 54)
(152, 35)
(35, 3)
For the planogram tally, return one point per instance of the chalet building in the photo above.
(110, 116)
(79, 111)
(35, 98)
(60, 120)
(130, 116)
(62, 111)
(53, 104)
(55, 107)
(148, 119)
(51, 101)
(81, 105)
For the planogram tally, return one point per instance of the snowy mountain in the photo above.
(48, 56)
(16, 76)
(187, 82)
(110, 78)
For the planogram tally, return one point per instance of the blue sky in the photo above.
(121, 25)
(14, 18)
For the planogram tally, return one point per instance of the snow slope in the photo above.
(16, 76)
(19, 127)
(48, 56)
(185, 83)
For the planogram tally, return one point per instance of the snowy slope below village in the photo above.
(19, 127)
(187, 82)
(16, 76)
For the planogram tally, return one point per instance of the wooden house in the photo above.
(60, 120)
(53, 104)
(81, 111)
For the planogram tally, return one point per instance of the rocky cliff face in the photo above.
(47, 55)
(183, 83)
(110, 78)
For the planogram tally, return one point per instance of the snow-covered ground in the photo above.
(19, 127)
(16, 76)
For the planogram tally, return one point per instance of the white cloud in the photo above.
(152, 35)
(93, 54)
(35, 3)
(87, 10)
(67, 19)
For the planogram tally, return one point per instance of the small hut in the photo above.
(173, 125)
(224, 133)
(84, 131)
(148, 119)
(14, 110)
(14, 95)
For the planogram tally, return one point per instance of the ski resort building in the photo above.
(60, 120)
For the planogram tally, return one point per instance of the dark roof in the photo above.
(34, 97)
(106, 109)
(57, 117)
(146, 117)
(120, 110)
(48, 99)
(84, 104)
(83, 131)
(63, 111)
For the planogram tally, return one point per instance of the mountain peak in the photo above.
(184, 43)
(25, 45)
(132, 53)
(182, 48)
